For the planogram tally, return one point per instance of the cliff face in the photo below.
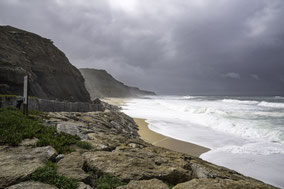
(51, 74)
(99, 83)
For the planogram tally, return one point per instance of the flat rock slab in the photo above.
(221, 183)
(71, 128)
(136, 164)
(82, 185)
(32, 185)
(145, 184)
(105, 141)
(18, 162)
(72, 166)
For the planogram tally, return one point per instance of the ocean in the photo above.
(245, 134)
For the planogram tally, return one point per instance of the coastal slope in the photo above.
(51, 75)
(115, 151)
(100, 83)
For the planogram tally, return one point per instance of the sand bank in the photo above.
(167, 142)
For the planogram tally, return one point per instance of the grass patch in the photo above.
(14, 127)
(35, 113)
(109, 182)
(84, 145)
(48, 174)
(169, 185)
(7, 96)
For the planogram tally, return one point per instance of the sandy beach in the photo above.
(158, 139)
(167, 142)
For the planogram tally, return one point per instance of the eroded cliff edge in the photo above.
(51, 74)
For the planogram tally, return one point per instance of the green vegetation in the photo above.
(14, 127)
(109, 182)
(48, 174)
(169, 185)
(7, 96)
(84, 145)
(35, 112)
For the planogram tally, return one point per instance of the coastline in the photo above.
(158, 139)
(167, 142)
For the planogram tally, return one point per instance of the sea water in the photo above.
(245, 134)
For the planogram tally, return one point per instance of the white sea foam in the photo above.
(241, 129)
(271, 104)
(188, 97)
(240, 101)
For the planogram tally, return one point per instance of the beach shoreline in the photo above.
(167, 142)
(158, 139)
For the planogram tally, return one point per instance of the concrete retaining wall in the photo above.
(44, 105)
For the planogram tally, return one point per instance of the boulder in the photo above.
(29, 142)
(145, 184)
(19, 162)
(221, 183)
(136, 164)
(105, 141)
(84, 186)
(31, 185)
(71, 128)
(72, 166)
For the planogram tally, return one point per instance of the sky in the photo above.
(183, 47)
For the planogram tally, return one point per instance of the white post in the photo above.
(25, 95)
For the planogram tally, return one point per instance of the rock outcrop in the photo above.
(72, 166)
(17, 163)
(51, 74)
(219, 183)
(145, 184)
(117, 150)
(99, 83)
(32, 185)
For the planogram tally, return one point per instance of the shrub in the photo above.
(14, 127)
(48, 174)
(84, 144)
(109, 182)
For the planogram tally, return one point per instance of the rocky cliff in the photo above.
(51, 74)
(99, 83)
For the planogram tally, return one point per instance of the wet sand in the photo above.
(167, 142)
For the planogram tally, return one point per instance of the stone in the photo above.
(145, 184)
(72, 166)
(71, 128)
(204, 169)
(105, 141)
(29, 142)
(221, 183)
(82, 185)
(59, 157)
(136, 164)
(19, 162)
(32, 185)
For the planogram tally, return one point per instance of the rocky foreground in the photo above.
(116, 150)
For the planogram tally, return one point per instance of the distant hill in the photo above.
(51, 74)
(99, 83)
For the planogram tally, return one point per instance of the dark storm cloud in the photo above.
(196, 47)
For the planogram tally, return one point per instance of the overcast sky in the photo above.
(168, 46)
